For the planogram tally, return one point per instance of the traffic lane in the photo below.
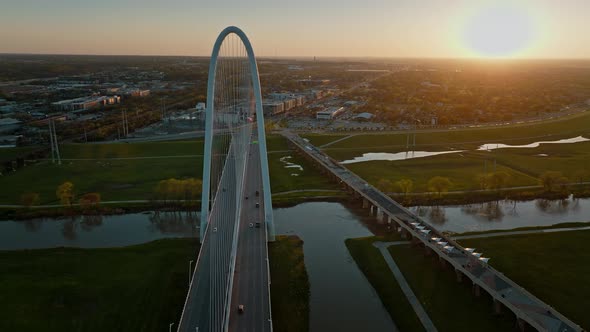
(250, 288)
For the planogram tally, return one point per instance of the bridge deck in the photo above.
(524, 305)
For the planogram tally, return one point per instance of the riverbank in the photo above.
(290, 285)
(552, 266)
(135, 288)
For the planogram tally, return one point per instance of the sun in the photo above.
(498, 32)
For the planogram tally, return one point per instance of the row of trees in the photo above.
(551, 181)
(436, 184)
(178, 190)
(66, 195)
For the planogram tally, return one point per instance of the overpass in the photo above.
(230, 286)
(528, 309)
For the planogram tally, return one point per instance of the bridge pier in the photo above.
(497, 307)
(404, 233)
(442, 262)
(380, 215)
(476, 290)
(371, 208)
(459, 275)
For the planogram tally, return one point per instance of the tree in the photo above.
(384, 185)
(551, 180)
(405, 186)
(65, 193)
(439, 184)
(29, 199)
(498, 180)
(483, 181)
(90, 200)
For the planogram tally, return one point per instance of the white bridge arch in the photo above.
(209, 132)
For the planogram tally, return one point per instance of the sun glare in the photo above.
(498, 32)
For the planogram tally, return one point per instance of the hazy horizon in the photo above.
(461, 29)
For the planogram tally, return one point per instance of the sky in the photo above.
(346, 28)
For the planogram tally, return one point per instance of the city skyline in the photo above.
(430, 29)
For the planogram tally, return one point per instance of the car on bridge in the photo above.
(241, 308)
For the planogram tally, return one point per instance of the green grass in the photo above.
(470, 138)
(462, 170)
(552, 266)
(530, 228)
(290, 285)
(132, 179)
(12, 153)
(450, 305)
(321, 139)
(132, 150)
(113, 179)
(137, 288)
(374, 267)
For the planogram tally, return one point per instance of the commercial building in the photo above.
(329, 113)
(85, 103)
(271, 107)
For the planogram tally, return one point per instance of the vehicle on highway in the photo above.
(241, 308)
(257, 204)
(257, 224)
(257, 193)
(251, 225)
(246, 197)
(214, 229)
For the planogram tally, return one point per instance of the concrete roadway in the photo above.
(250, 284)
(204, 307)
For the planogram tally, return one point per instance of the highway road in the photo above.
(205, 304)
(231, 238)
(250, 284)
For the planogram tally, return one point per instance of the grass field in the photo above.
(136, 288)
(11, 153)
(553, 266)
(462, 170)
(290, 285)
(463, 138)
(374, 267)
(130, 179)
(450, 305)
(524, 165)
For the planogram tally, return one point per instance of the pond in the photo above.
(493, 146)
(505, 214)
(386, 156)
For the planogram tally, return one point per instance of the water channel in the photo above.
(505, 214)
(341, 297)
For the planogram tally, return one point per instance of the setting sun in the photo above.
(498, 32)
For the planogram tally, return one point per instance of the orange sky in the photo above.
(381, 28)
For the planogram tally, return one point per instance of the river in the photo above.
(505, 214)
(341, 297)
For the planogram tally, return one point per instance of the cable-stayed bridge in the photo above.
(230, 290)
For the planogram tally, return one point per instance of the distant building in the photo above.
(9, 125)
(329, 114)
(273, 107)
(85, 103)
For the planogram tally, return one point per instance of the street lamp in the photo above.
(170, 327)
(190, 272)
